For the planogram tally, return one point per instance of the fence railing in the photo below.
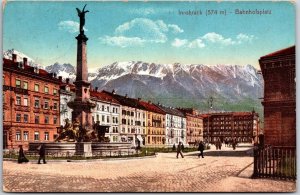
(275, 162)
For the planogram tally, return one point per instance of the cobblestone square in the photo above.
(218, 171)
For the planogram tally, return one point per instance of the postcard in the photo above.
(149, 96)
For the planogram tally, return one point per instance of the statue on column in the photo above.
(81, 15)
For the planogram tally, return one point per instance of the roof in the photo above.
(229, 113)
(151, 107)
(170, 110)
(103, 96)
(126, 101)
(10, 64)
(283, 52)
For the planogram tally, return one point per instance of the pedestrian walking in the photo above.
(42, 153)
(233, 144)
(179, 150)
(22, 158)
(220, 144)
(201, 148)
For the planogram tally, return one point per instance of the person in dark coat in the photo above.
(42, 153)
(179, 150)
(233, 144)
(201, 148)
(22, 158)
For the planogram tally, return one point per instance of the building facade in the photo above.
(194, 126)
(67, 93)
(175, 124)
(30, 104)
(155, 125)
(278, 70)
(238, 126)
(133, 119)
(107, 114)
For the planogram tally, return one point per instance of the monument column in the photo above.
(82, 105)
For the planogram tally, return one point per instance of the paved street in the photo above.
(219, 171)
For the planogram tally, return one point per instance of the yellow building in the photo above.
(155, 125)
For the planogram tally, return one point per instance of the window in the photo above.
(97, 117)
(18, 117)
(132, 113)
(18, 100)
(25, 85)
(46, 119)
(25, 135)
(107, 119)
(18, 83)
(46, 136)
(113, 110)
(107, 108)
(36, 103)
(18, 135)
(36, 87)
(46, 104)
(116, 110)
(103, 118)
(102, 107)
(36, 119)
(46, 90)
(25, 118)
(55, 105)
(25, 101)
(36, 136)
(54, 91)
(54, 120)
(124, 121)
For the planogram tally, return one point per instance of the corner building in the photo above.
(279, 102)
(30, 104)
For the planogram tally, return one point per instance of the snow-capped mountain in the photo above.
(64, 70)
(8, 55)
(67, 70)
(184, 84)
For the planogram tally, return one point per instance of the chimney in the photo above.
(149, 102)
(113, 91)
(96, 88)
(67, 80)
(14, 57)
(126, 96)
(25, 61)
(139, 99)
(60, 78)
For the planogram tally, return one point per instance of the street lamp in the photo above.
(210, 104)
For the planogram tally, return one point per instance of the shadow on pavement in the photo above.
(233, 153)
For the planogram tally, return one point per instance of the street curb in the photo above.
(246, 172)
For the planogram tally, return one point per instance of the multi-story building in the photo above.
(239, 126)
(278, 70)
(175, 124)
(107, 114)
(133, 119)
(30, 104)
(155, 125)
(67, 93)
(194, 126)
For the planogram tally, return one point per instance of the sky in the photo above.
(149, 31)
